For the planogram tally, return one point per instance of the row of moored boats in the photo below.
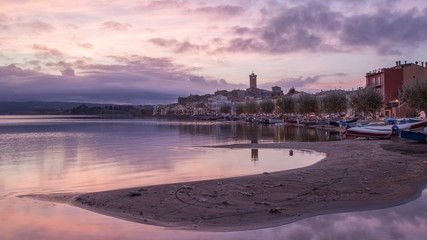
(414, 129)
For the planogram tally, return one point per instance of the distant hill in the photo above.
(36, 107)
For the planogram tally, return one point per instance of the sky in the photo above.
(152, 52)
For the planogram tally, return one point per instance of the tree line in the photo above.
(332, 102)
(363, 101)
(83, 109)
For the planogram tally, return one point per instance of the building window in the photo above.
(373, 82)
(378, 81)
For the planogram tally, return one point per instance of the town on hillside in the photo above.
(388, 82)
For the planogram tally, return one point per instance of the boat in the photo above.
(349, 121)
(356, 124)
(261, 120)
(406, 126)
(417, 136)
(275, 120)
(369, 133)
(291, 121)
(383, 131)
(334, 122)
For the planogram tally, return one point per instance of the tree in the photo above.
(334, 102)
(415, 94)
(82, 109)
(291, 90)
(286, 104)
(239, 108)
(367, 100)
(307, 103)
(267, 106)
(251, 107)
(225, 108)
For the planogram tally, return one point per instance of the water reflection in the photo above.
(92, 154)
(59, 221)
(407, 221)
(242, 131)
(219, 131)
(254, 155)
(67, 155)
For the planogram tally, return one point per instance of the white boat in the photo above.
(383, 131)
(275, 120)
(406, 126)
(369, 133)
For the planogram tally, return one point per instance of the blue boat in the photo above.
(417, 136)
(345, 123)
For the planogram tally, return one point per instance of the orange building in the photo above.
(389, 81)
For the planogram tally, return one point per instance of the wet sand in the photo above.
(356, 175)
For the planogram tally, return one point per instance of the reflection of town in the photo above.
(254, 151)
(244, 131)
(254, 154)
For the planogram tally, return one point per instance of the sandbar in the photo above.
(356, 175)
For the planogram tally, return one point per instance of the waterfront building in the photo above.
(212, 103)
(389, 81)
(220, 103)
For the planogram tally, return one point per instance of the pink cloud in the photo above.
(163, 4)
(116, 26)
(37, 26)
(43, 51)
(303, 82)
(3, 22)
(85, 45)
(178, 47)
(221, 12)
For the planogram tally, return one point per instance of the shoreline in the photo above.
(356, 175)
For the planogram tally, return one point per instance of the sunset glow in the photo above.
(149, 52)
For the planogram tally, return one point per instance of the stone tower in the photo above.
(252, 80)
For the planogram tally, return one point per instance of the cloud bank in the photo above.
(318, 26)
(132, 79)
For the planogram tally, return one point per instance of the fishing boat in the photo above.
(275, 120)
(368, 133)
(291, 121)
(333, 122)
(406, 126)
(383, 131)
(350, 121)
(417, 136)
(261, 120)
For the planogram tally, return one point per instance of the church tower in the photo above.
(252, 80)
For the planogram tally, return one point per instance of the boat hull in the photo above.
(368, 133)
(417, 136)
(406, 126)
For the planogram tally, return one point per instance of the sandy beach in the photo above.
(356, 175)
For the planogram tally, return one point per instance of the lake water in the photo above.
(74, 154)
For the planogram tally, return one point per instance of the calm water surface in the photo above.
(57, 154)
